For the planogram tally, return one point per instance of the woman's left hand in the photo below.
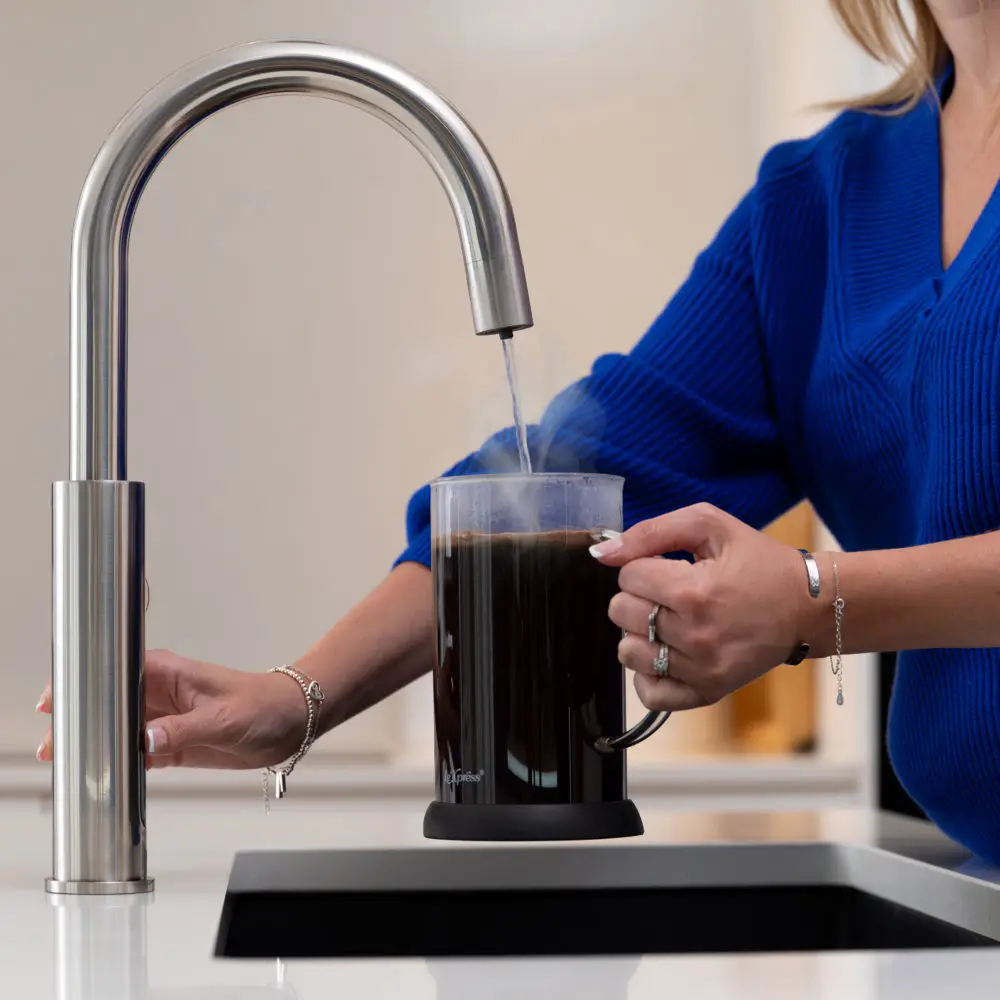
(740, 609)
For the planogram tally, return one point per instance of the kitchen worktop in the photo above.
(161, 947)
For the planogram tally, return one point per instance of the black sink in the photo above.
(479, 903)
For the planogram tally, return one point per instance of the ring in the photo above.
(661, 665)
(652, 622)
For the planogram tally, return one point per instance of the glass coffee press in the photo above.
(529, 696)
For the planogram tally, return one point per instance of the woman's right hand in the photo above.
(203, 715)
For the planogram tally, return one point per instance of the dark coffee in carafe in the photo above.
(528, 675)
(528, 691)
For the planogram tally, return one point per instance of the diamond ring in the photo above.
(661, 665)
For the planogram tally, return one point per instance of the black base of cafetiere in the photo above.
(570, 821)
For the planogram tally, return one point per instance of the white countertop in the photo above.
(160, 948)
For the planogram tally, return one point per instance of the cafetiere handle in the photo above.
(645, 727)
(642, 730)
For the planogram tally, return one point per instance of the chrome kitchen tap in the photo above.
(99, 790)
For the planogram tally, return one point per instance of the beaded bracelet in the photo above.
(314, 696)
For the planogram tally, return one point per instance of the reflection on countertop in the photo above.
(160, 948)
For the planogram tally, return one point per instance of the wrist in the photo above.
(333, 678)
(284, 702)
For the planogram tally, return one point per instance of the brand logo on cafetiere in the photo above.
(464, 777)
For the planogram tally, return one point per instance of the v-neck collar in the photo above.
(984, 229)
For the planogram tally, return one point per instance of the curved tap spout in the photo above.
(98, 517)
(128, 158)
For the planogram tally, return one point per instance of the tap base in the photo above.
(80, 887)
(98, 754)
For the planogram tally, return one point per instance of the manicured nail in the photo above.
(155, 740)
(38, 752)
(41, 704)
(606, 548)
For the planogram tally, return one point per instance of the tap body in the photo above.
(98, 569)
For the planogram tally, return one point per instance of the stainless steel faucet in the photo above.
(98, 565)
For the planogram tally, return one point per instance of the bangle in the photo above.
(812, 572)
(801, 649)
(314, 696)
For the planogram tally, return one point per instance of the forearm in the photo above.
(385, 642)
(945, 595)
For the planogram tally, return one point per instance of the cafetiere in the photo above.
(529, 696)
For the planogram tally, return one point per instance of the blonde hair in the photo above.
(915, 47)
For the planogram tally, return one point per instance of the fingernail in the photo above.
(38, 752)
(41, 704)
(155, 740)
(606, 548)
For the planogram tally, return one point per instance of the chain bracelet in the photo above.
(314, 696)
(837, 660)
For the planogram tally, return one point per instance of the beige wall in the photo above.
(301, 347)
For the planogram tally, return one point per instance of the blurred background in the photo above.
(301, 351)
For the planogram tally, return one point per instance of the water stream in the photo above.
(522, 437)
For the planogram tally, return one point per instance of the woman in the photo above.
(837, 341)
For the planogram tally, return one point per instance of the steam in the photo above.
(566, 440)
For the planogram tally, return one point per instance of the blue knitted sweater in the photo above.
(819, 349)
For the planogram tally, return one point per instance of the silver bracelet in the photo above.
(812, 572)
(801, 650)
(314, 696)
(837, 660)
